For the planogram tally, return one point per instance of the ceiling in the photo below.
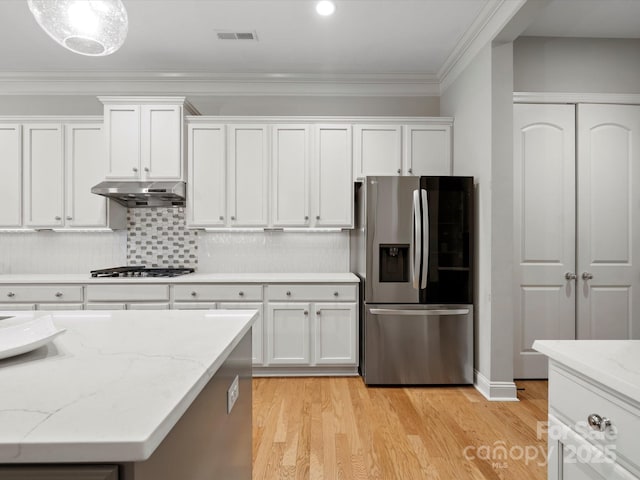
(410, 43)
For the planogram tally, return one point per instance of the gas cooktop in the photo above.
(140, 271)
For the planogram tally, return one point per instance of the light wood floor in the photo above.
(337, 428)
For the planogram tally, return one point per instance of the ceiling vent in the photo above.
(226, 35)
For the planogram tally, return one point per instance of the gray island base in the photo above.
(206, 442)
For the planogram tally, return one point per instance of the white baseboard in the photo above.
(495, 391)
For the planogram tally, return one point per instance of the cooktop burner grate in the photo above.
(140, 271)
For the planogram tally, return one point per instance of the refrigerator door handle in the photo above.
(416, 241)
(419, 313)
(425, 240)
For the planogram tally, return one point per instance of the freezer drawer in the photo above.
(417, 344)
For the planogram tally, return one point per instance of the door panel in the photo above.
(290, 162)
(544, 235)
(609, 239)
(288, 334)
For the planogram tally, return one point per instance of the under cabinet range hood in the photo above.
(143, 194)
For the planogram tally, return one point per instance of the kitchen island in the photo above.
(594, 408)
(130, 395)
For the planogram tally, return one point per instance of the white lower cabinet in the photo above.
(592, 430)
(127, 296)
(288, 334)
(334, 333)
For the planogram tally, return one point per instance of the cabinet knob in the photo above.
(335, 294)
(410, 170)
(69, 217)
(570, 276)
(306, 217)
(288, 293)
(194, 294)
(399, 171)
(587, 276)
(306, 312)
(233, 217)
(11, 294)
(317, 217)
(58, 217)
(58, 294)
(221, 217)
(241, 293)
(317, 312)
(134, 169)
(146, 169)
(598, 423)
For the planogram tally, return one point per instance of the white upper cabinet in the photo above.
(332, 176)
(248, 187)
(207, 177)
(11, 178)
(43, 175)
(144, 137)
(377, 150)
(85, 166)
(408, 149)
(290, 164)
(427, 150)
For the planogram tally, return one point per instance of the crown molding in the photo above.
(495, 15)
(157, 83)
(572, 98)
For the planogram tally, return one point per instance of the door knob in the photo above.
(587, 276)
(570, 276)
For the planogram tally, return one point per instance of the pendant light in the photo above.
(87, 27)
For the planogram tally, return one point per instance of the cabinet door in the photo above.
(333, 180)
(335, 334)
(11, 178)
(206, 195)
(544, 231)
(248, 176)
(290, 163)
(161, 142)
(257, 335)
(85, 166)
(288, 334)
(427, 150)
(122, 134)
(43, 175)
(608, 224)
(377, 150)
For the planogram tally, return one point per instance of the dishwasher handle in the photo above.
(419, 313)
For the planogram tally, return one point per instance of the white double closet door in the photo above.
(577, 226)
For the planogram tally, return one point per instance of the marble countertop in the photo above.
(612, 363)
(189, 278)
(113, 385)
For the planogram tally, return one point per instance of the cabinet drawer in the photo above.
(315, 293)
(123, 293)
(217, 292)
(41, 294)
(574, 399)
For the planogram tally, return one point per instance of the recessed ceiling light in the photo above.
(325, 8)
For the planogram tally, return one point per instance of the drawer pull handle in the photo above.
(194, 294)
(598, 423)
(288, 293)
(335, 294)
(241, 293)
(58, 294)
(11, 294)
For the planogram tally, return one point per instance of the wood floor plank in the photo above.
(339, 429)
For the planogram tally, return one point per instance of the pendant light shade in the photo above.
(87, 27)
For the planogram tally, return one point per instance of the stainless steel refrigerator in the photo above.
(412, 248)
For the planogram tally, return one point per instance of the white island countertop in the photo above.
(613, 363)
(113, 385)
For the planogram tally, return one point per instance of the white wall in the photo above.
(480, 100)
(54, 252)
(236, 105)
(580, 65)
(273, 252)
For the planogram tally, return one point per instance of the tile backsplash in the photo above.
(158, 237)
